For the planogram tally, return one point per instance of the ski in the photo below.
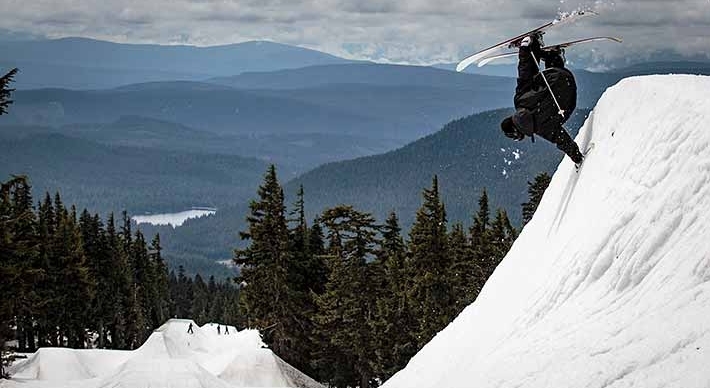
(484, 61)
(514, 42)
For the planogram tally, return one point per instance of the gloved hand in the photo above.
(533, 43)
(526, 41)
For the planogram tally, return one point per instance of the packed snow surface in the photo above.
(171, 357)
(609, 284)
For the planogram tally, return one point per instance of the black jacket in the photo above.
(536, 111)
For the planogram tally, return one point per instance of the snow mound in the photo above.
(609, 284)
(162, 373)
(214, 355)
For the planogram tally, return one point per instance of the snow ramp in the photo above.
(609, 284)
(211, 356)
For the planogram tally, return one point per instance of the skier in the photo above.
(226, 330)
(218, 330)
(189, 329)
(536, 111)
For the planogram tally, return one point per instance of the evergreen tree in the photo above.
(200, 301)
(306, 277)
(47, 286)
(466, 273)
(347, 307)
(144, 289)
(269, 297)
(18, 250)
(5, 91)
(535, 191)
(501, 237)
(394, 325)
(430, 289)
(481, 240)
(121, 286)
(99, 264)
(182, 294)
(73, 302)
(161, 304)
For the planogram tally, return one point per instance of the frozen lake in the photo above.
(173, 219)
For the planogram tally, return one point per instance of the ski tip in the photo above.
(463, 65)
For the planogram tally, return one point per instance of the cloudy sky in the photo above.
(403, 31)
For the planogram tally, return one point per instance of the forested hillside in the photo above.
(115, 178)
(468, 155)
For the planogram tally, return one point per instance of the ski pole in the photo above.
(559, 109)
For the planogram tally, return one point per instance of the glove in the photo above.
(526, 41)
(533, 43)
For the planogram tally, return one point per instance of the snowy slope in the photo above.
(169, 358)
(609, 284)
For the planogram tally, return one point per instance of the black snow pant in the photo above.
(527, 70)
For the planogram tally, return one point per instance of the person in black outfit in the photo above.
(536, 112)
(189, 329)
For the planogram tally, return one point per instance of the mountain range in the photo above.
(80, 63)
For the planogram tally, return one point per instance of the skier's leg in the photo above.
(564, 143)
(527, 68)
(553, 58)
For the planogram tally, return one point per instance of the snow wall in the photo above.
(609, 284)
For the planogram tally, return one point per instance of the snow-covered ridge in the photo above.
(609, 284)
(171, 357)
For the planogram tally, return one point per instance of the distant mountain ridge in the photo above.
(81, 63)
(355, 73)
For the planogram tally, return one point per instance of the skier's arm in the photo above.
(524, 121)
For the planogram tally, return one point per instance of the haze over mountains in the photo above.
(182, 126)
(80, 63)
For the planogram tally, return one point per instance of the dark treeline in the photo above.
(74, 280)
(203, 301)
(349, 300)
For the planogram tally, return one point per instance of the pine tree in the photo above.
(347, 306)
(306, 277)
(46, 286)
(5, 92)
(121, 286)
(500, 241)
(161, 304)
(481, 240)
(268, 295)
(394, 325)
(466, 273)
(430, 289)
(144, 288)
(200, 301)
(18, 250)
(535, 191)
(183, 294)
(73, 302)
(98, 261)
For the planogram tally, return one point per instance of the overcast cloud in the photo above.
(408, 31)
